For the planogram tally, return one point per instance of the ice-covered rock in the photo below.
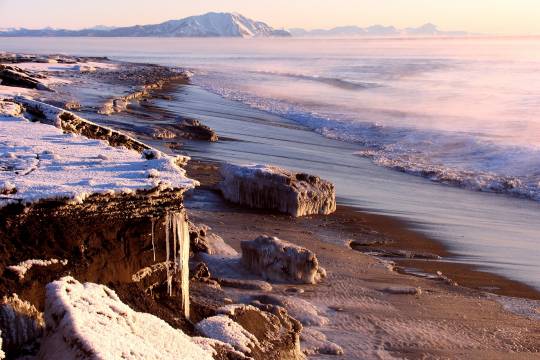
(315, 342)
(278, 260)
(273, 188)
(223, 328)
(23, 267)
(15, 76)
(21, 323)
(261, 333)
(89, 321)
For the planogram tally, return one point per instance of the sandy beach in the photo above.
(444, 321)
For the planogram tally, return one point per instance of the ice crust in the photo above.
(223, 328)
(22, 268)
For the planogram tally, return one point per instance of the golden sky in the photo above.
(512, 17)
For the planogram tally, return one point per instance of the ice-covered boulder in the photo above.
(278, 260)
(89, 321)
(260, 333)
(273, 188)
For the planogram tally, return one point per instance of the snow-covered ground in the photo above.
(39, 161)
(89, 321)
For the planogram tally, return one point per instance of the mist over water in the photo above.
(463, 112)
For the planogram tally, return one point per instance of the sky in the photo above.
(508, 17)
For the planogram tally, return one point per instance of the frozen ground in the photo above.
(39, 161)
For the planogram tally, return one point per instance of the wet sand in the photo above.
(443, 322)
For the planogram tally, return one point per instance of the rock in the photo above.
(21, 324)
(262, 333)
(10, 108)
(272, 188)
(315, 342)
(403, 290)
(82, 319)
(15, 76)
(298, 308)
(245, 284)
(202, 241)
(278, 260)
(194, 130)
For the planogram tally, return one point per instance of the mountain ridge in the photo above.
(212, 24)
(427, 29)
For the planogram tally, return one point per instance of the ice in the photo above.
(89, 321)
(20, 322)
(279, 260)
(23, 267)
(176, 225)
(274, 188)
(42, 162)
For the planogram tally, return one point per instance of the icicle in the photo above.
(167, 252)
(175, 237)
(184, 264)
(153, 243)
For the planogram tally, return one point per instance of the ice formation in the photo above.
(278, 260)
(176, 225)
(20, 322)
(273, 188)
(89, 321)
(223, 328)
(42, 162)
(23, 267)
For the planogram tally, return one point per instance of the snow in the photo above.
(2, 355)
(223, 328)
(41, 162)
(89, 321)
(23, 267)
(9, 91)
(41, 67)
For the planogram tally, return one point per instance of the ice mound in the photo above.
(273, 188)
(278, 260)
(88, 321)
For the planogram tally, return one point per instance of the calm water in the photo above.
(459, 112)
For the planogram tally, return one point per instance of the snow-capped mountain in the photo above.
(207, 25)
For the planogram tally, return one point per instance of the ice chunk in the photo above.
(88, 321)
(273, 188)
(279, 260)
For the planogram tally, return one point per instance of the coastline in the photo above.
(373, 311)
(391, 233)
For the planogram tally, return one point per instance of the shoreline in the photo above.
(380, 227)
